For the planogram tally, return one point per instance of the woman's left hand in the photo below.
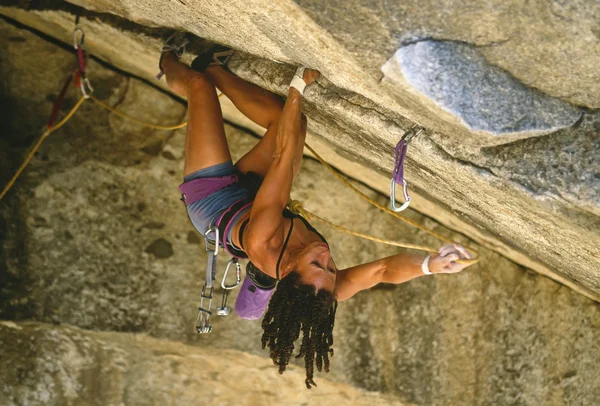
(443, 261)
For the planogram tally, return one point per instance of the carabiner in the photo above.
(215, 230)
(203, 320)
(224, 310)
(393, 196)
(83, 83)
(78, 43)
(412, 133)
(238, 275)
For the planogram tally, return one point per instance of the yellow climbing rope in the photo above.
(67, 118)
(37, 146)
(302, 210)
(294, 205)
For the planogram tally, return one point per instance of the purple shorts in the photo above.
(208, 192)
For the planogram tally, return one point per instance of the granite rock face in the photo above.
(54, 365)
(93, 235)
(536, 208)
(485, 98)
(552, 46)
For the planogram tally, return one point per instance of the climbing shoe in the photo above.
(217, 56)
(176, 43)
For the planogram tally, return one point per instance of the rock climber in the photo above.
(290, 261)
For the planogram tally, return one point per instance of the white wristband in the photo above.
(298, 81)
(299, 84)
(425, 266)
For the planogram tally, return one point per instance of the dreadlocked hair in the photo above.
(295, 308)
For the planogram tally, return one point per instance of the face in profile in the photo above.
(316, 267)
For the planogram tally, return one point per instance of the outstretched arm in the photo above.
(397, 269)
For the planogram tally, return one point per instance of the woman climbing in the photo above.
(247, 202)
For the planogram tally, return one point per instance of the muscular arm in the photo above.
(397, 269)
(266, 221)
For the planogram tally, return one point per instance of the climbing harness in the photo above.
(398, 173)
(297, 207)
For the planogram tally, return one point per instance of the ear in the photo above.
(285, 272)
(290, 262)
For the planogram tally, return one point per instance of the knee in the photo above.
(272, 105)
(198, 80)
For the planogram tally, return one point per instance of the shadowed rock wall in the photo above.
(94, 235)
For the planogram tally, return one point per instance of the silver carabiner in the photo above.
(393, 196)
(212, 253)
(238, 275)
(412, 133)
(83, 83)
(78, 42)
(215, 230)
(224, 310)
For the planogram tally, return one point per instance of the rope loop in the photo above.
(295, 206)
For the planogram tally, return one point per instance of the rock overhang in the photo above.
(360, 118)
(94, 175)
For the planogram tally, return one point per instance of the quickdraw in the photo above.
(82, 56)
(398, 174)
(203, 325)
(78, 76)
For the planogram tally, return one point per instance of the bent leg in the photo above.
(259, 158)
(259, 105)
(205, 142)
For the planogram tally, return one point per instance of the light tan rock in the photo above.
(523, 200)
(52, 365)
(94, 235)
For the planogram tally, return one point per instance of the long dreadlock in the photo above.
(297, 307)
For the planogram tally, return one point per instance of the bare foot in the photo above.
(310, 75)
